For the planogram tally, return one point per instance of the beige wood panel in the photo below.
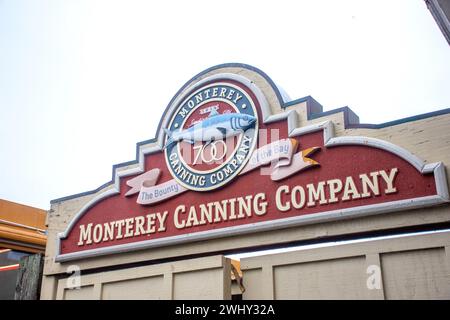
(418, 274)
(408, 267)
(83, 293)
(197, 285)
(254, 292)
(329, 279)
(136, 289)
(202, 278)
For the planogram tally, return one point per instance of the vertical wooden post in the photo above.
(29, 279)
(168, 285)
(226, 279)
(267, 285)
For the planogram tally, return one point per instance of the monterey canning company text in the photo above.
(287, 198)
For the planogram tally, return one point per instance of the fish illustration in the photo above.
(216, 126)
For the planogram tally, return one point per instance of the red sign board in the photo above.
(224, 165)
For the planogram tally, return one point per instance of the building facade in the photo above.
(237, 167)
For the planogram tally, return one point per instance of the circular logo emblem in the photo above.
(211, 135)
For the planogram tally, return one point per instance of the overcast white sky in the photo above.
(82, 81)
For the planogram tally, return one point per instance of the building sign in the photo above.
(224, 163)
